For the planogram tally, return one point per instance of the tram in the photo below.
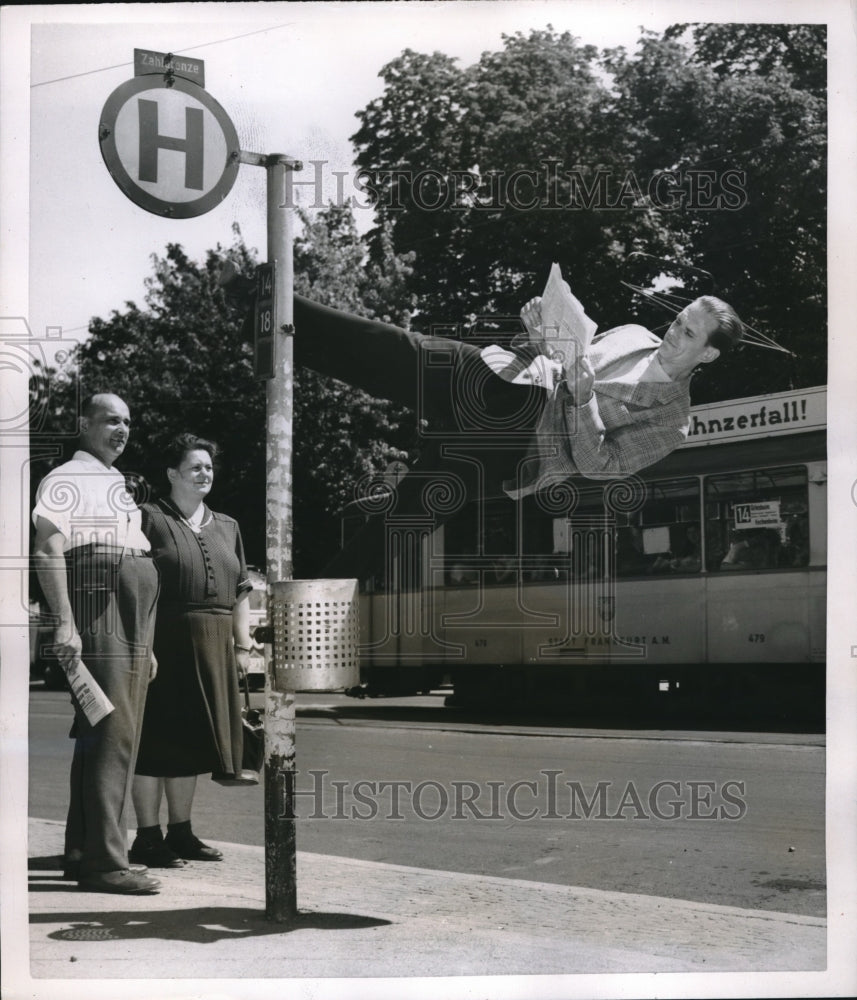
(699, 582)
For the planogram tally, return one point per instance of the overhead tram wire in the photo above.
(187, 48)
(675, 303)
(752, 336)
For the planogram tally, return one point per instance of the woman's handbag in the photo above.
(253, 727)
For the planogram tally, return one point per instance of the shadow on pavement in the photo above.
(199, 925)
(394, 711)
(47, 863)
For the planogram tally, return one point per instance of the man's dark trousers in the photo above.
(113, 596)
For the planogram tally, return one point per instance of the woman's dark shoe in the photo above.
(241, 778)
(181, 839)
(154, 853)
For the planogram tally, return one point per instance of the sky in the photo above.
(289, 76)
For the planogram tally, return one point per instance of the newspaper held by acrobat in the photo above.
(567, 330)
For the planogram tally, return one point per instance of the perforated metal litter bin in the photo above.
(316, 629)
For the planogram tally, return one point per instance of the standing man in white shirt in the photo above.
(101, 586)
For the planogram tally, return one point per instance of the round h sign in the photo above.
(170, 147)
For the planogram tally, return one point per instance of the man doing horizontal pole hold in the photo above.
(605, 412)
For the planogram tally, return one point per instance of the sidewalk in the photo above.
(364, 919)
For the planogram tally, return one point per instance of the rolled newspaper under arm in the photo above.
(87, 692)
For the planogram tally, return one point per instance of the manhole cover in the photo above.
(86, 934)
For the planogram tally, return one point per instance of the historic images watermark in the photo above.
(32, 429)
(46, 423)
(37, 364)
(551, 187)
(548, 796)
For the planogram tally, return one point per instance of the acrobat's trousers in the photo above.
(479, 425)
(444, 380)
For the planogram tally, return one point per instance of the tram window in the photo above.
(551, 548)
(481, 544)
(631, 558)
(757, 519)
(392, 560)
(373, 574)
(663, 535)
(460, 548)
(500, 542)
(459, 532)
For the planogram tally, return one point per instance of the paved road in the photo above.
(726, 818)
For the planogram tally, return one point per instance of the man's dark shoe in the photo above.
(71, 869)
(181, 839)
(124, 882)
(155, 854)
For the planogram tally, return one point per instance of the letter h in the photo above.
(151, 141)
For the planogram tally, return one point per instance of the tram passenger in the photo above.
(631, 558)
(796, 550)
(688, 556)
(684, 557)
(753, 548)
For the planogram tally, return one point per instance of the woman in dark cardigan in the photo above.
(192, 723)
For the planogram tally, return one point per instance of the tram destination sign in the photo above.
(758, 416)
(263, 329)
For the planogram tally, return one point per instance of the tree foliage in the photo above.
(185, 362)
(767, 252)
(705, 148)
(761, 49)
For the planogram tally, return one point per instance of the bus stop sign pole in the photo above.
(131, 140)
(280, 842)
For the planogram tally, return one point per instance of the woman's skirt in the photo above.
(192, 723)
